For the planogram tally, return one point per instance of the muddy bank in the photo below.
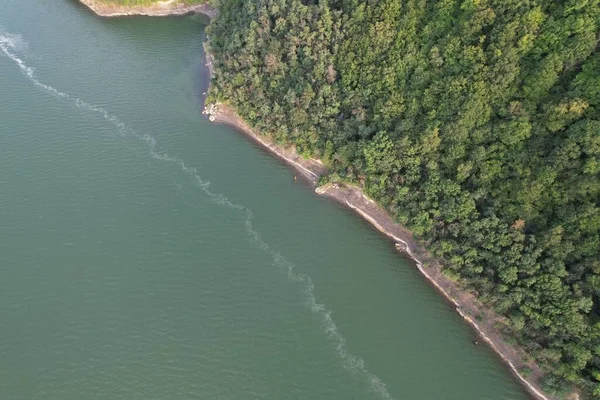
(158, 9)
(309, 168)
(465, 302)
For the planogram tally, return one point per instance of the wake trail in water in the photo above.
(11, 44)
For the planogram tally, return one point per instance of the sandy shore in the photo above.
(465, 302)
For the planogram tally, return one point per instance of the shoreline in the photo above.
(353, 197)
(310, 169)
(465, 303)
(158, 9)
(479, 317)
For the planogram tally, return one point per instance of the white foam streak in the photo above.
(9, 44)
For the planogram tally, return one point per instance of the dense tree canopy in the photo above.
(475, 122)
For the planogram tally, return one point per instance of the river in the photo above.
(149, 254)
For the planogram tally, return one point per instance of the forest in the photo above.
(474, 122)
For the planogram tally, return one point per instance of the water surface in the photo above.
(148, 254)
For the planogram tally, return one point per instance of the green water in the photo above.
(148, 254)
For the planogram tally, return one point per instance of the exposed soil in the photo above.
(309, 168)
(158, 9)
(481, 318)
